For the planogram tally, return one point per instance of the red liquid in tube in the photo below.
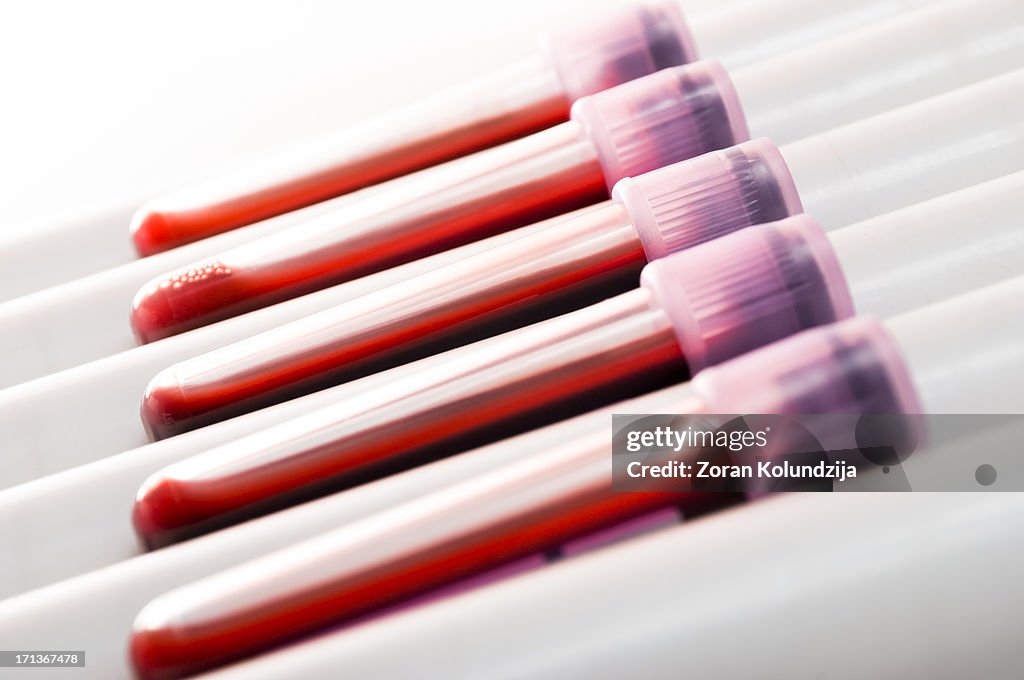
(637, 127)
(540, 177)
(551, 269)
(514, 383)
(564, 267)
(694, 308)
(522, 102)
(545, 502)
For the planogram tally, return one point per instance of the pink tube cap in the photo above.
(745, 290)
(618, 47)
(661, 119)
(704, 198)
(853, 366)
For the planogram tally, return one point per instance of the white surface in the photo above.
(934, 250)
(804, 586)
(88, 318)
(744, 31)
(36, 255)
(118, 98)
(913, 153)
(967, 353)
(879, 67)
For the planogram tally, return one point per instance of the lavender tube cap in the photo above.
(748, 289)
(660, 119)
(619, 47)
(854, 366)
(704, 198)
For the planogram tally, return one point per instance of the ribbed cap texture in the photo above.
(704, 198)
(753, 287)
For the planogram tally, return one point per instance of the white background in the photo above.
(104, 103)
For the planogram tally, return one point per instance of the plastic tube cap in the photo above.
(707, 197)
(850, 367)
(661, 119)
(753, 287)
(620, 46)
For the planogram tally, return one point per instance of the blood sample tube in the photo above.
(574, 263)
(507, 514)
(844, 175)
(628, 130)
(913, 56)
(693, 309)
